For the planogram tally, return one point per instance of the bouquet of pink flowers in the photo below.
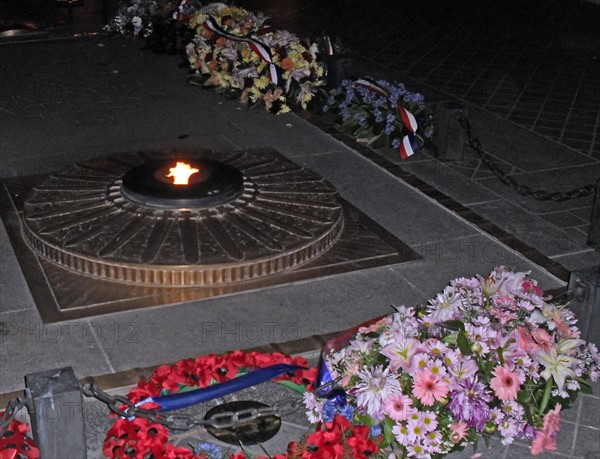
(487, 356)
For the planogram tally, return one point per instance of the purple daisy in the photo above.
(469, 402)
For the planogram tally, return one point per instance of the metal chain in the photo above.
(565, 297)
(524, 190)
(121, 406)
(12, 408)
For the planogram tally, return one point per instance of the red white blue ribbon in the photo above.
(259, 48)
(372, 86)
(408, 145)
(408, 119)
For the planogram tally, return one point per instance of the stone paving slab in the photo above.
(531, 229)
(389, 202)
(450, 182)
(28, 346)
(15, 294)
(564, 219)
(581, 260)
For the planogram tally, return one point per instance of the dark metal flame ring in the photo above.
(116, 196)
(285, 217)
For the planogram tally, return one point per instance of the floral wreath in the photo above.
(139, 437)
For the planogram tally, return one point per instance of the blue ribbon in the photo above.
(324, 378)
(184, 399)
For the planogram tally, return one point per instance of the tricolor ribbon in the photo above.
(180, 400)
(329, 51)
(372, 86)
(260, 49)
(408, 146)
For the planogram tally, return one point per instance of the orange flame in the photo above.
(181, 173)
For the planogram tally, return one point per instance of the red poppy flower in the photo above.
(14, 442)
(177, 452)
(362, 447)
(294, 450)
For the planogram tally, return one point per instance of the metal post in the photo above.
(585, 286)
(448, 133)
(56, 410)
(594, 233)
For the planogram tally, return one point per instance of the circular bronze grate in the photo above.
(279, 218)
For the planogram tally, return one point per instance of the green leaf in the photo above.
(586, 388)
(294, 386)
(527, 411)
(388, 435)
(449, 339)
(463, 343)
(455, 325)
(365, 419)
(472, 437)
(489, 366)
(501, 356)
(348, 124)
(186, 389)
(546, 396)
(524, 396)
(374, 139)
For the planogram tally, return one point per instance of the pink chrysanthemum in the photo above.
(552, 420)
(506, 383)
(526, 342)
(543, 339)
(398, 407)
(459, 431)
(541, 442)
(428, 387)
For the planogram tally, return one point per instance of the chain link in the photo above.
(12, 408)
(121, 406)
(565, 297)
(524, 190)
